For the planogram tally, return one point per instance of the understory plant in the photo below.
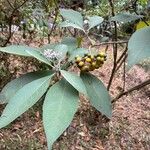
(58, 87)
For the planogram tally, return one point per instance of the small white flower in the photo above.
(51, 54)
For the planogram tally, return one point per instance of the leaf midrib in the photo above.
(58, 111)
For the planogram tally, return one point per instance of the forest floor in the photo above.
(129, 128)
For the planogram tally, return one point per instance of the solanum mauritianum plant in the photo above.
(58, 87)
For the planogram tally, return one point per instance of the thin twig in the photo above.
(22, 4)
(70, 32)
(10, 4)
(53, 26)
(106, 49)
(137, 87)
(115, 47)
(122, 55)
(10, 19)
(112, 42)
(122, 61)
(124, 74)
(10, 31)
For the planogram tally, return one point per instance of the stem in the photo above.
(54, 22)
(21, 4)
(115, 47)
(10, 19)
(123, 60)
(113, 42)
(124, 74)
(10, 4)
(137, 87)
(9, 27)
(122, 55)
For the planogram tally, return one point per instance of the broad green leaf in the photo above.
(24, 99)
(125, 17)
(17, 49)
(72, 16)
(98, 94)
(71, 42)
(139, 46)
(12, 87)
(78, 52)
(62, 48)
(70, 24)
(94, 21)
(38, 55)
(75, 81)
(59, 107)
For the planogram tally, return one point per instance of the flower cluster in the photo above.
(51, 54)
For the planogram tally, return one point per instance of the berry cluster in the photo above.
(90, 62)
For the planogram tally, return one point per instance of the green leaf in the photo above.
(24, 99)
(61, 48)
(139, 46)
(75, 81)
(98, 94)
(72, 16)
(48, 46)
(69, 24)
(125, 17)
(59, 107)
(94, 21)
(38, 55)
(78, 52)
(71, 42)
(12, 87)
(17, 49)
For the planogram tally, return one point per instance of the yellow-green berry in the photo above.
(85, 68)
(102, 54)
(101, 59)
(81, 63)
(88, 60)
(78, 59)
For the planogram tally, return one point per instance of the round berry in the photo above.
(78, 59)
(102, 54)
(88, 60)
(85, 68)
(81, 63)
(101, 59)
